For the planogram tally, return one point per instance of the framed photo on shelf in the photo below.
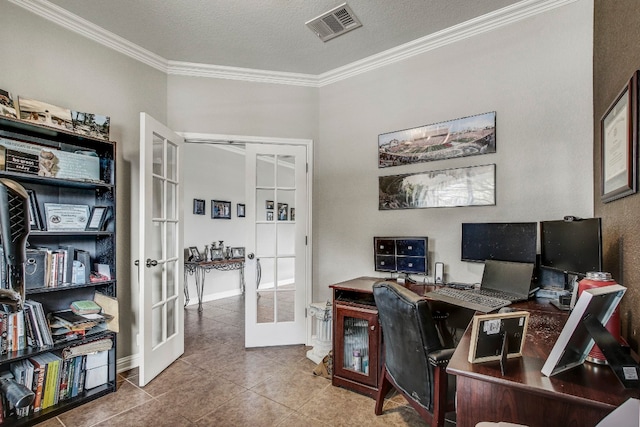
(65, 217)
(194, 254)
(283, 211)
(198, 207)
(35, 219)
(240, 210)
(619, 139)
(498, 335)
(220, 209)
(98, 218)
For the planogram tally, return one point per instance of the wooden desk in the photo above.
(580, 397)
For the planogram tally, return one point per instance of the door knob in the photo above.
(251, 255)
(151, 262)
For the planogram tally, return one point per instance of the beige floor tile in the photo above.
(292, 389)
(151, 414)
(247, 409)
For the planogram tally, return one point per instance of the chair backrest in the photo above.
(409, 335)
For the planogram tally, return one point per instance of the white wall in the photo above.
(536, 75)
(43, 61)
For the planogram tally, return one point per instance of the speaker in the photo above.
(438, 277)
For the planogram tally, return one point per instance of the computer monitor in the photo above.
(575, 342)
(502, 241)
(408, 255)
(572, 245)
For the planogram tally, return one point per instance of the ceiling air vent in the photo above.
(333, 23)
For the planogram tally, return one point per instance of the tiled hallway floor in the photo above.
(217, 382)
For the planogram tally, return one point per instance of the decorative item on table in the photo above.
(35, 111)
(205, 255)
(66, 217)
(283, 211)
(194, 254)
(220, 209)
(90, 124)
(7, 106)
(237, 253)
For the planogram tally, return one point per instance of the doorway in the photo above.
(217, 172)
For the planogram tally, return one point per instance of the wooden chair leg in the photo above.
(440, 385)
(385, 387)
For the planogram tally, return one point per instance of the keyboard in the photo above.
(470, 299)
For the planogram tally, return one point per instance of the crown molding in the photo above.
(467, 29)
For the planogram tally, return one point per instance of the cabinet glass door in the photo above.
(356, 345)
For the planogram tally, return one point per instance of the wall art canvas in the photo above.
(471, 186)
(467, 136)
(42, 113)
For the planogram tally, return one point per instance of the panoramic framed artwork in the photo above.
(220, 209)
(619, 139)
(470, 186)
(35, 111)
(467, 136)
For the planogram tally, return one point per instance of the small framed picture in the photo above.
(269, 215)
(240, 210)
(498, 335)
(35, 219)
(194, 254)
(269, 204)
(198, 207)
(283, 211)
(97, 218)
(220, 209)
(237, 253)
(292, 214)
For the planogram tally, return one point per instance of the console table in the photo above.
(581, 396)
(201, 268)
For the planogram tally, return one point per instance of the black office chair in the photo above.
(415, 360)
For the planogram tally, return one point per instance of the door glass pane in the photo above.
(264, 204)
(265, 170)
(286, 169)
(172, 211)
(172, 161)
(265, 240)
(172, 317)
(172, 282)
(157, 199)
(286, 239)
(172, 237)
(356, 344)
(157, 242)
(157, 293)
(286, 273)
(157, 318)
(286, 306)
(265, 307)
(158, 155)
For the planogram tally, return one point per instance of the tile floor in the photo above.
(217, 382)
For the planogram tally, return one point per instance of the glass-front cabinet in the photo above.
(357, 337)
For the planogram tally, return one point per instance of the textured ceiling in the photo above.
(271, 34)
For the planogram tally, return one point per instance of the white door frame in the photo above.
(221, 139)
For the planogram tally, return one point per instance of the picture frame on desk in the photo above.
(488, 335)
(194, 254)
(97, 218)
(619, 144)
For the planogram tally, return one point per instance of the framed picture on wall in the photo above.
(283, 211)
(220, 209)
(619, 139)
(198, 207)
(240, 210)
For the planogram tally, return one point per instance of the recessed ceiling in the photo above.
(271, 34)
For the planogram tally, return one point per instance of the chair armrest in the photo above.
(441, 357)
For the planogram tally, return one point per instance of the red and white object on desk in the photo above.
(597, 279)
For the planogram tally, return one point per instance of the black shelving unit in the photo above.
(101, 245)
